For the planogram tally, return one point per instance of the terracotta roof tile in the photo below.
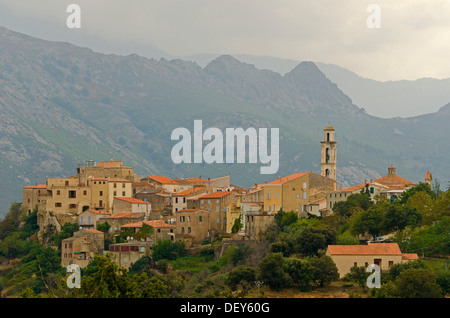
(131, 200)
(369, 249)
(94, 231)
(409, 256)
(154, 223)
(126, 215)
(162, 179)
(38, 186)
(288, 178)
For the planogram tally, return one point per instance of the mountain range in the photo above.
(61, 105)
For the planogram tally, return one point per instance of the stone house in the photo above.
(384, 255)
(193, 223)
(82, 247)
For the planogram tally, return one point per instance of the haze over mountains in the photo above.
(387, 99)
(61, 105)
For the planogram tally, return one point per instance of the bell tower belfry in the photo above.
(328, 153)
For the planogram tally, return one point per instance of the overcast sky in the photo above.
(413, 41)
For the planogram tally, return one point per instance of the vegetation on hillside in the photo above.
(288, 259)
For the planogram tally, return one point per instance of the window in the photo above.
(182, 230)
(200, 219)
(84, 192)
(372, 190)
(298, 195)
(101, 193)
(305, 195)
(176, 200)
(268, 195)
(304, 185)
(123, 185)
(189, 218)
(115, 193)
(72, 194)
(72, 206)
(58, 192)
(115, 185)
(391, 263)
(100, 203)
(58, 205)
(217, 208)
(182, 218)
(355, 264)
(123, 193)
(189, 230)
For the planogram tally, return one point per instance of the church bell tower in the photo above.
(328, 153)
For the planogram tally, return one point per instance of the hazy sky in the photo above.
(413, 41)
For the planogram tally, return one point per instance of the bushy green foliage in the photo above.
(166, 249)
(240, 275)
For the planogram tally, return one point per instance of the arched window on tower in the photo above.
(328, 136)
(327, 155)
(327, 172)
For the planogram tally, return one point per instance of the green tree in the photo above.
(104, 227)
(108, 281)
(67, 231)
(144, 232)
(423, 203)
(417, 283)
(30, 224)
(399, 217)
(313, 239)
(354, 201)
(324, 270)
(359, 275)
(140, 266)
(166, 249)
(237, 226)
(241, 275)
(11, 222)
(347, 239)
(443, 280)
(300, 272)
(425, 187)
(370, 221)
(271, 272)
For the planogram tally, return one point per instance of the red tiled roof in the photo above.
(38, 186)
(94, 231)
(197, 180)
(126, 215)
(98, 212)
(352, 188)
(214, 195)
(409, 256)
(131, 200)
(369, 249)
(162, 179)
(393, 180)
(155, 223)
(187, 192)
(288, 178)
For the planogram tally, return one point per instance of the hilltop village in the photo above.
(192, 210)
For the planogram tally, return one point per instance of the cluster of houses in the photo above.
(194, 209)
